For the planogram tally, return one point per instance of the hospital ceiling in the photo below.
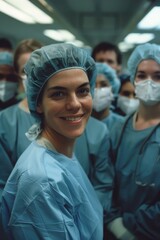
(90, 21)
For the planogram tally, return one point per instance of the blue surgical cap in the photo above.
(110, 74)
(6, 58)
(50, 60)
(143, 52)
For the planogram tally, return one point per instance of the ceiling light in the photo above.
(31, 10)
(151, 20)
(59, 35)
(15, 13)
(124, 46)
(138, 38)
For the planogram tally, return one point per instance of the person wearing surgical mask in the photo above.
(135, 210)
(8, 81)
(106, 87)
(127, 103)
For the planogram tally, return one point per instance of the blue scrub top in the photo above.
(14, 123)
(92, 150)
(48, 196)
(112, 119)
(137, 186)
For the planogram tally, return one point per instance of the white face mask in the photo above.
(102, 98)
(127, 105)
(7, 90)
(148, 91)
(24, 81)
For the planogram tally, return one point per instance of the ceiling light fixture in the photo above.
(151, 20)
(26, 8)
(60, 35)
(124, 46)
(15, 13)
(138, 38)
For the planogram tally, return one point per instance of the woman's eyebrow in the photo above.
(64, 88)
(56, 88)
(84, 84)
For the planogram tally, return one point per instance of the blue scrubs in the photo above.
(48, 196)
(137, 185)
(14, 123)
(92, 151)
(112, 119)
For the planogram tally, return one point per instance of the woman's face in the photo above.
(66, 103)
(148, 69)
(23, 58)
(127, 90)
(7, 73)
(102, 81)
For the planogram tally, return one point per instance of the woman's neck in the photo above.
(101, 115)
(24, 105)
(62, 145)
(147, 116)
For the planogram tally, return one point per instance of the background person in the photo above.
(106, 86)
(6, 45)
(127, 103)
(21, 55)
(106, 52)
(8, 81)
(135, 211)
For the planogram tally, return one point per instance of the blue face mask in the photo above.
(7, 90)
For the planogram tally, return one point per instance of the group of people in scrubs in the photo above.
(83, 177)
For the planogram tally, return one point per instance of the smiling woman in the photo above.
(66, 106)
(48, 196)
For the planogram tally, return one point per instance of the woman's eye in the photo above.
(156, 78)
(57, 95)
(84, 91)
(141, 76)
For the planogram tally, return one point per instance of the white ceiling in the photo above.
(91, 21)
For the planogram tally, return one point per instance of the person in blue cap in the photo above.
(106, 87)
(8, 81)
(135, 211)
(48, 195)
(13, 142)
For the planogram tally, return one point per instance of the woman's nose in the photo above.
(73, 103)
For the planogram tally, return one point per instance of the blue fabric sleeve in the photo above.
(49, 216)
(103, 173)
(145, 222)
(5, 168)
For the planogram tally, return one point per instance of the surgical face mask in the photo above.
(102, 98)
(7, 90)
(24, 81)
(127, 105)
(148, 91)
